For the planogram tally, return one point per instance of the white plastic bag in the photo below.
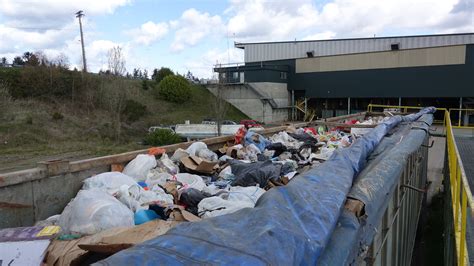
(235, 199)
(207, 154)
(136, 198)
(155, 177)
(165, 164)
(92, 211)
(191, 181)
(109, 182)
(194, 148)
(178, 154)
(138, 168)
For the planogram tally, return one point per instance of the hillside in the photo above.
(44, 127)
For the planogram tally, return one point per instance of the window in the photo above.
(310, 53)
(283, 75)
(395, 46)
(235, 75)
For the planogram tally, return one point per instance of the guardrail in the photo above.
(460, 192)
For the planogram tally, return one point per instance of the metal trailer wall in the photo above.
(379, 223)
(256, 52)
(395, 238)
(35, 194)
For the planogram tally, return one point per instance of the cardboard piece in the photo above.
(196, 164)
(125, 239)
(74, 252)
(179, 214)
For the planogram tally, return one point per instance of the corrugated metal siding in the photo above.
(255, 52)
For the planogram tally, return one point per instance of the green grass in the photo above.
(88, 133)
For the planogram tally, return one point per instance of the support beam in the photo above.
(349, 105)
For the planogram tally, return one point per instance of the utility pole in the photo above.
(79, 15)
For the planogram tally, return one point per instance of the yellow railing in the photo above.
(461, 195)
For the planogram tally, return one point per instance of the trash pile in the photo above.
(194, 183)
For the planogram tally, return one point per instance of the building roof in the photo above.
(269, 51)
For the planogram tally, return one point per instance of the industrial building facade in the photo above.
(339, 76)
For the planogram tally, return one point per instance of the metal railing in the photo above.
(460, 192)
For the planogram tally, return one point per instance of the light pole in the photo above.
(79, 15)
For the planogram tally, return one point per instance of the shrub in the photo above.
(159, 75)
(174, 89)
(162, 137)
(29, 120)
(145, 85)
(57, 116)
(134, 110)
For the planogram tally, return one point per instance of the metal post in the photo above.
(79, 15)
(349, 105)
(305, 105)
(399, 101)
(460, 111)
(293, 109)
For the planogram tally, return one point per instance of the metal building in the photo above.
(335, 77)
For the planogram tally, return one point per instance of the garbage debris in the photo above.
(109, 182)
(228, 202)
(138, 168)
(193, 184)
(92, 211)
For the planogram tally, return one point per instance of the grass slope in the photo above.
(29, 133)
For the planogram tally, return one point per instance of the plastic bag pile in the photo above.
(197, 180)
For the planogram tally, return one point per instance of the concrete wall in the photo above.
(250, 100)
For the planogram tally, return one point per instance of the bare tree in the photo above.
(116, 61)
(115, 90)
(219, 106)
(62, 61)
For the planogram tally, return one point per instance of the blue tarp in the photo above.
(289, 225)
(374, 187)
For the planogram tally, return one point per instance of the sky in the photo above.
(194, 35)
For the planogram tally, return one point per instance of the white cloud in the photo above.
(148, 32)
(262, 20)
(320, 36)
(13, 39)
(52, 13)
(192, 27)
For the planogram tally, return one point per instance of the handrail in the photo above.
(461, 193)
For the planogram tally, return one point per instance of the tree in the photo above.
(135, 73)
(31, 59)
(116, 89)
(145, 84)
(145, 74)
(18, 61)
(62, 61)
(116, 61)
(174, 89)
(162, 73)
(4, 61)
(220, 107)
